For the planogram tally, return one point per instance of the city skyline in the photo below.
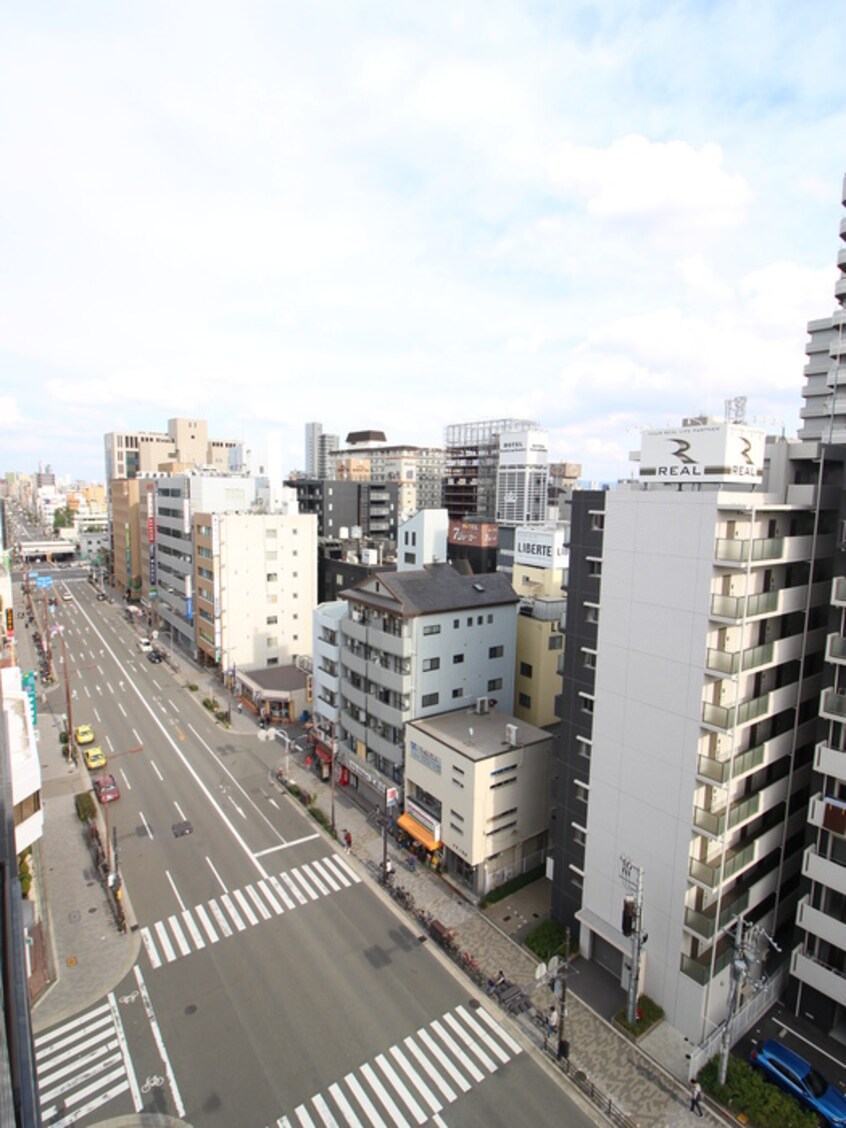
(407, 220)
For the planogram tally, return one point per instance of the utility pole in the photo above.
(558, 969)
(632, 876)
(745, 937)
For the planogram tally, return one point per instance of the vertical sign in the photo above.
(151, 531)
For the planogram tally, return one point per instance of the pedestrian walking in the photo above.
(551, 1022)
(347, 841)
(696, 1098)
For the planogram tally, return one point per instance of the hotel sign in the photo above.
(720, 452)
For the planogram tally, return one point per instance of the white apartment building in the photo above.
(477, 792)
(255, 578)
(703, 711)
(522, 479)
(24, 766)
(168, 504)
(416, 644)
(326, 665)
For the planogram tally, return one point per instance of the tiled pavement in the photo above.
(89, 956)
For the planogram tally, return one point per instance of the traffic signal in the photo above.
(628, 915)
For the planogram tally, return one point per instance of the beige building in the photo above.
(540, 560)
(477, 792)
(255, 578)
(185, 443)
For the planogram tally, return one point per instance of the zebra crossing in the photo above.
(414, 1080)
(229, 913)
(82, 1065)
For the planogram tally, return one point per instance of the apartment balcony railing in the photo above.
(830, 761)
(734, 607)
(726, 718)
(741, 551)
(838, 591)
(826, 872)
(707, 924)
(835, 648)
(721, 771)
(714, 822)
(708, 873)
(821, 977)
(700, 969)
(833, 705)
(732, 662)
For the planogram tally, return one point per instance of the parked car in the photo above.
(84, 734)
(101, 595)
(106, 789)
(796, 1076)
(144, 645)
(155, 656)
(94, 757)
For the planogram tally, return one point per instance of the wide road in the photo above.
(275, 985)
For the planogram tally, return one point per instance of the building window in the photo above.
(494, 683)
(495, 652)
(433, 628)
(429, 699)
(579, 835)
(555, 642)
(591, 613)
(272, 578)
(455, 624)
(524, 700)
(431, 664)
(586, 702)
(594, 567)
(589, 659)
(525, 670)
(271, 619)
(457, 659)
(458, 693)
(597, 522)
(581, 792)
(583, 747)
(490, 618)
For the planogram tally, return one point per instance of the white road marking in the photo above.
(126, 780)
(312, 876)
(457, 1051)
(415, 1079)
(373, 1117)
(154, 766)
(180, 902)
(459, 1030)
(289, 881)
(217, 913)
(138, 739)
(121, 708)
(402, 1089)
(436, 1051)
(179, 935)
(238, 894)
(146, 824)
(164, 941)
(124, 1049)
(345, 1106)
(206, 923)
(179, 811)
(152, 954)
(154, 1026)
(216, 874)
(226, 901)
(264, 911)
(296, 873)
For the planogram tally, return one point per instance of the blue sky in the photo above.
(400, 216)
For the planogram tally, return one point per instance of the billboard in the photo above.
(541, 548)
(474, 534)
(713, 452)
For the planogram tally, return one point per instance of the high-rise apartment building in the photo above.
(319, 449)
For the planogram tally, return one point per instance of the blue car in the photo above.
(793, 1074)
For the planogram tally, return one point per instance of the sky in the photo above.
(602, 217)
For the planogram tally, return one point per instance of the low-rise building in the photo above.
(477, 794)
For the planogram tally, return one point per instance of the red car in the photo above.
(106, 789)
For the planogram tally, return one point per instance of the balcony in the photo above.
(833, 705)
(714, 822)
(726, 718)
(355, 663)
(355, 630)
(818, 975)
(389, 643)
(739, 551)
(721, 771)
(726, 662)
(707, 924)
(736, 607)
(838, 591)
(820, 869)
(826, 927)
(386, 676)
(700, 969)
(830, 761)
(708, 873)
(835, 649)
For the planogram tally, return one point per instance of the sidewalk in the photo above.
(86, 954)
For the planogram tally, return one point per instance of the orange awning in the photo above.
(418, 832)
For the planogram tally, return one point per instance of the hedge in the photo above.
(746, 1093)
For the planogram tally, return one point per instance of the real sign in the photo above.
(719, 452)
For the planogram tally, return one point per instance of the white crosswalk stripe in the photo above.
(411, 1082)
(81, 1067)
(232, 912)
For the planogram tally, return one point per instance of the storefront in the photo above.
(423, 832)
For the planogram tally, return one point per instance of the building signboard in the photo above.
(474, 534)
(714, 452)
(541, 548)
(425, 757)
(422, 816)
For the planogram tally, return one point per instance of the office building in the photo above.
(185, 444)
(472, 461)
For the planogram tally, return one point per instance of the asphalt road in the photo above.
(274, 983)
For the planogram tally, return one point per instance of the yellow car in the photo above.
(84, 734)
(94, 758)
